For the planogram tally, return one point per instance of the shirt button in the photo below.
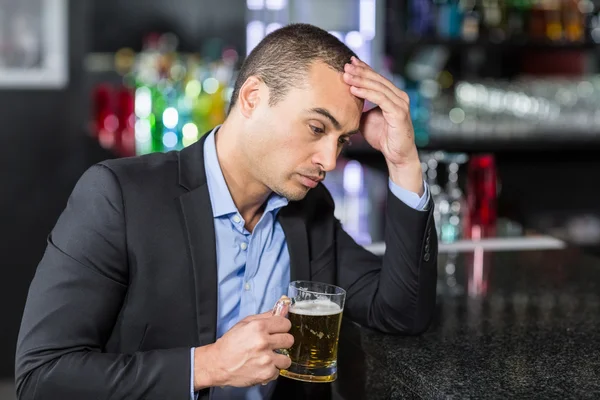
(236, 219)
(243, 246)
(247, 286)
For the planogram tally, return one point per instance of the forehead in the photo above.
(325, 88)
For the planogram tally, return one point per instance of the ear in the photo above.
(250, 95)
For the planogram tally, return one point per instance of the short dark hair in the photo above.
(283, 57)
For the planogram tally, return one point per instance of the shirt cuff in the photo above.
(193, 396)
(409, 198)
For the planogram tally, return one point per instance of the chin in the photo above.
(293, 194)
(297, 196)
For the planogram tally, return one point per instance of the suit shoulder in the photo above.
(141, 163)
(139, 167)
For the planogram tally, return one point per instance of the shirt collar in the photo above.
(220, 197)
(275, 202)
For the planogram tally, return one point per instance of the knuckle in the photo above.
(252, 326)
(265, 360)
(266, 375)
(261, 342)
(260, 325)
(263, 377)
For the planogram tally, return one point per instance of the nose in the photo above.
(326, 156)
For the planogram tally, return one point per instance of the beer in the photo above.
(315, 327)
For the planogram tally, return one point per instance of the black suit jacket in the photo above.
(128, 282)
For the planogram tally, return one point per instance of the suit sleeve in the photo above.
(73, 303)
(395, 294)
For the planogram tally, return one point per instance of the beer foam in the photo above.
(321, 307)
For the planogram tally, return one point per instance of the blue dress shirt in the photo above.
(253, 269)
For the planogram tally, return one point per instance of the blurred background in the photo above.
(504, 100)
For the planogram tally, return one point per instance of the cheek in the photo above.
(283, 147)
(286, 159)
(287, 140)
(298, 150)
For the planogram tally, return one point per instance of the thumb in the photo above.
(282, 306)
(280, 309)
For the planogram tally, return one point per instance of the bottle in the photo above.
(591, 20)
(494, 19)
(421, 22)
(553, 16)
(471, 20)
(516, 19)
(449, 19)
(573, 21)
(481, 191)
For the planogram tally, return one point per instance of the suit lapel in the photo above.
(199, 227)
(198, 224)
(296, 237)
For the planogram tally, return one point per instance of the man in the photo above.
(159, 275)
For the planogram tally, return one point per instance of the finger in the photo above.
(378, 98)
(265, 315)
(269, 376)
(276, 371)
(358, 67)
(281, 362)
(362, 66)
(362, 82)
(281, 341)
(282, 306)
(277, 324)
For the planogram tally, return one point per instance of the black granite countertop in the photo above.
(519, 325)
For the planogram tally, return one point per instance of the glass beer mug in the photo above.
(315, 311)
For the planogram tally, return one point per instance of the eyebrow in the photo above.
(336, 124)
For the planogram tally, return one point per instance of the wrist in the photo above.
(206, 373)
(408, 175)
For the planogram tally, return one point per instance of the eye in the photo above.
(316, 130)
(343, 140)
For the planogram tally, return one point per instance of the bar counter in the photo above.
(509, 324)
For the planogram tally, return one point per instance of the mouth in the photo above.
(310, 181)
